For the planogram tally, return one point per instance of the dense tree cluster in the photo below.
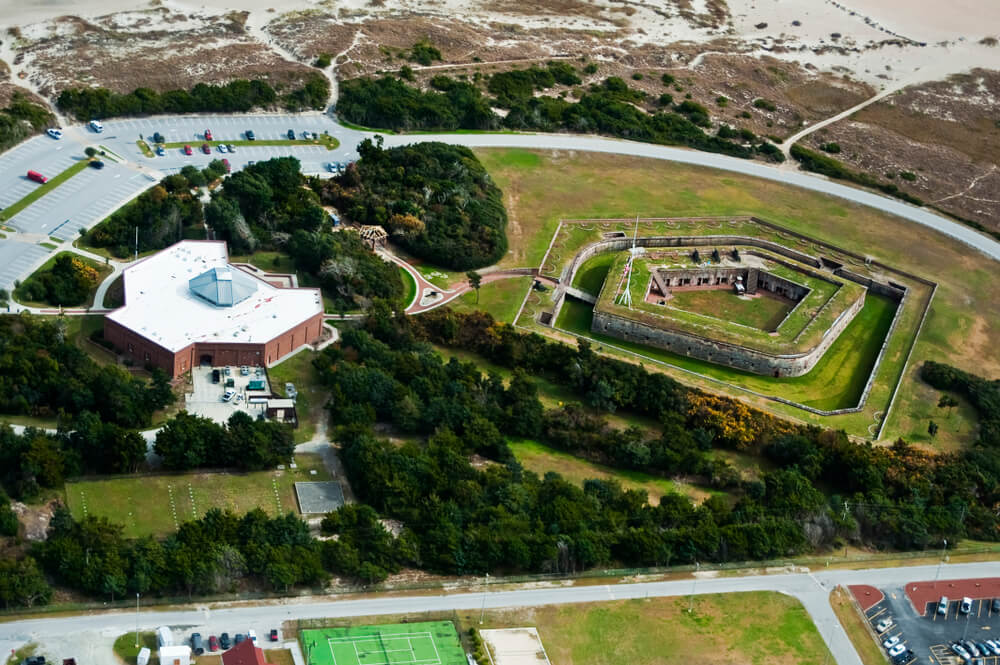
(237, 96)
(22, 583)
(830, 167)
(363, 548)
(43, 373)
(190, 442)
(214, 554)
(163, 215)
(610, 107)
(20, 119)
(437, 200)
(68, 282)
(983, 394)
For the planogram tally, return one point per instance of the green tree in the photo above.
(932, 428)
(475, 281)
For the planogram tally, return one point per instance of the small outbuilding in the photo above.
(175, 655)
(143, 657)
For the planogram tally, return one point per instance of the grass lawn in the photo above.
(836, 381)
(157, 504)
(855, 627)
(541, 459)
(542, 187)
(763, 312)
(591, 275)
(409, 287)
(277, 657)
(42, 190)
(311, 400)
(501, 298)
(103, 270)
(126, 650)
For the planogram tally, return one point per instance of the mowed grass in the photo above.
(157, 504)
(542, 187)
(501, 298)
(836, 381)
(763, 312)
(591, 275)
(311, 400)
(409, 286)
(757, 628)
(541, 459)
(854, 626)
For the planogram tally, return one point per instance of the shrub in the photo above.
(322, 60)
(591, 68)
(666, 99)
(908, 175)
(667, 79)
(721, 101)
(637, 76)
(761, 103)
(423, 53)
(832, 148)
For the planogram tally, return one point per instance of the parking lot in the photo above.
(81, 201)
(41, 153)
(926, 633)
(206, 397)
(18, 259)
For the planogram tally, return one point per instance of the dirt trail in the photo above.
(19, 76)
(255, 27)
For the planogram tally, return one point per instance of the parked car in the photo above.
(208, 134)
(244, 370)
(994, 646)
(891, 642)
(942, 607)
(965, 606)
(995, 605)
(984, 649)
(971, 648)
(332, 167)
(158, 138)
(216, 375)
(160, 150)
(960, 650)
(37, 177)
(250, 135)
(903, 658)
(188, 150)
(228, 396)
(239, 638)
(223, 148)
(96, 164)
(884, 625)
(224, 641)
(207, 149)
(55, 133)
(96, 126)
(213, 643)
(898, 649)
(196, 644)
(291, 134)
(229, 168)
(252, 635)
(232, 148)
(273, 635)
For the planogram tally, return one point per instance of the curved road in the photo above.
(812, 589)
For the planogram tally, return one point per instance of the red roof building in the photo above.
(244, 653)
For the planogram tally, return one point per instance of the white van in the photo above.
(96, 126)
(942, 607)
(252, 635)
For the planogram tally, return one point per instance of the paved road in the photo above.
(811, 589)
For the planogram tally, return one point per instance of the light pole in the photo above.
(943, 548)
(136, 619)
(482, 612)
(694, 583)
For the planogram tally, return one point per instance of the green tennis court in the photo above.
(425, 643)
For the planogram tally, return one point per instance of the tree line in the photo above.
(237, 96)
(610, 107)
(435, 199)
(20, 119)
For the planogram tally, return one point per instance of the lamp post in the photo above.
(136, 619)
(694, 583)
(482, 613)
(943, 548)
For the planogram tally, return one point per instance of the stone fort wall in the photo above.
(723, 353)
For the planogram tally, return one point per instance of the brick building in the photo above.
(188, 306)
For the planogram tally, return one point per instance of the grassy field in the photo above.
(501, 298)
(157, 504)
(103, 270)
(540, 188)
(311, 399)
(541, 459)
(409, 286)
(854, 626)
(835, 382)
(126, 650)
(275, 657)
(42, 190)
(591, 275)
(763, 312)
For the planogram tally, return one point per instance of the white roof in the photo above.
(160, 305)
(181, 650)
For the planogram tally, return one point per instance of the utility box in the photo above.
(163, 637)
(143, 657)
